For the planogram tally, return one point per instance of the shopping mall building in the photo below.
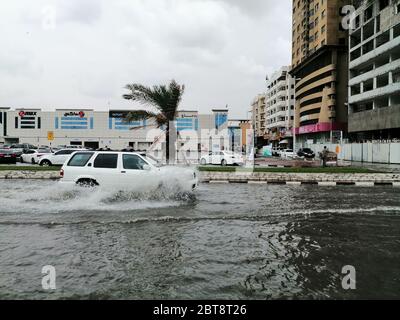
(197, 133)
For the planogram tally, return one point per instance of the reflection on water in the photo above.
(227, 241)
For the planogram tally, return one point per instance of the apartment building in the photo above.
(258, 117)
(320, 67)
(279, 109)
(374, 77)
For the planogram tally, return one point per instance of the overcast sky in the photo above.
(81, 53)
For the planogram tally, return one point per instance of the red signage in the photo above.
(81, 114)
(318, 127)
(26, 113)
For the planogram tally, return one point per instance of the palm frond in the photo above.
(164, 98)
(139, 115)
(143, 127)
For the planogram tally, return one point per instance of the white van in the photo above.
(124, 169)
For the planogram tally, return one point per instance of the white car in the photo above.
(125, 170)
(71, 147)
(288, 154)
(276, 152)
(222, 158)
(33, 155)
(56, 159)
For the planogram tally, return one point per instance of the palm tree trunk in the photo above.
(170, 142)
(167, 143)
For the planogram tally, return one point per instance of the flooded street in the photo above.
(226, 242)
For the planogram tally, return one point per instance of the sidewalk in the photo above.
(288, 163)
(375, 166)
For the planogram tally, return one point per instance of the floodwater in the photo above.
(224, 242)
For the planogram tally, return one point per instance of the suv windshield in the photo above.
(80, 159)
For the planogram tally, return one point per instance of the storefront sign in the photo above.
(26, 113)
(120, 114)
(318, 127)
(79, 114)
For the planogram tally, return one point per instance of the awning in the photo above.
(284, 142)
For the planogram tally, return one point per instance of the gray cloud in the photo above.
(220, 49)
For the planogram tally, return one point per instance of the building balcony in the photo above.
(395, 43)
(385, 69)
(393, 88)
(277, 124)
(288, 133)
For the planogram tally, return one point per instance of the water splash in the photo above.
(51, 197)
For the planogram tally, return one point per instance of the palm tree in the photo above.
(165, 98)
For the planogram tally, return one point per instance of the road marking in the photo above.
(365, 184)
(293, 183)
(327, 184)
(219, 181)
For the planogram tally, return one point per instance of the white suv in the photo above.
(124, 169)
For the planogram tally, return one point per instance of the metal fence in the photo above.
(371, 152)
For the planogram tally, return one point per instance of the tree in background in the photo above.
(165, 99)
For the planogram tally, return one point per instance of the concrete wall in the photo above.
(364, 152)
(383, 118)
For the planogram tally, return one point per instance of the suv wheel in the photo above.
(223, 163)
(45, 163)
(203, 162)
(87, 183)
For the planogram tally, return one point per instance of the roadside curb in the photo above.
(300, 183)
(255, 178)
(297, 179)
(35, 175)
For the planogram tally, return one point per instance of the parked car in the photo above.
(7, 156)
(276, 151)
(19, 148)
(123, 169)
(57, 158)
(33, 155)
(287, 154)
(70, 147)
(222, 158)
(306, 153)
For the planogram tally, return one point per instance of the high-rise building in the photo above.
(374, 80)
(258, 117)
(279, 108)
(320, 67)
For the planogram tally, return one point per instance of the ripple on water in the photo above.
(228, 242)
